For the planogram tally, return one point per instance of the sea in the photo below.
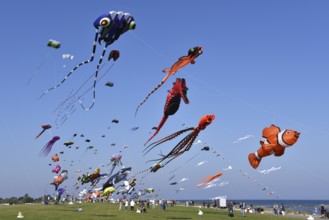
(308, 206)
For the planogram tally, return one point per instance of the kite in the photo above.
(206, 148)
(134, 128)
(55, 158)
(275, 142)
(186, 143)
(119, 176)
(149, 190)
(193, 53)
(129, 186)
(114, 54)
(93, 178)
(209, 179)
(201, 163)
(109, 84)
(107, 192)
(67, 56)
(109, 27)
(54, 44)
(44, 127)
(56, 169)
(157, 166)
(115, 160)
(60, 192)
(68, 143)
(59, 179)
(47, 148)
(269, 170)
(115, 121)
(243, 138)
(174, 97)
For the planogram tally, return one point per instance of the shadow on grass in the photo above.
(105, 216)
(178, 218)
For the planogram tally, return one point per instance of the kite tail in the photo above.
(46, 149)
(40, 133)
(80, 64)
(56, 185)
(95, 80)
(155, 89)
(169, 137)
(163, 120)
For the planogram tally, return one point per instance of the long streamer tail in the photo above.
(183, 146)
(75, 68)
(163, 120)
(154, 144)
(155, 89)
(95, 81)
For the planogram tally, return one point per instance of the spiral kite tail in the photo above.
(163, 120)
(75, 68)
(95, 80)
(148, 95)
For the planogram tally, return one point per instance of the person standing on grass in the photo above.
(283, 210)
(132, 205)
(126, 204)
(243, 208)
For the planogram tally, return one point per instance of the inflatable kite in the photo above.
(115, 160)
(186, 143)
(178, 92)
(119, 176)
(59, 179)
(93, 178)
(209, 179)
(107, 192)
(275, 142)
(109, 27)
(193, 53)
(47, 148)
(56, 169)
(44, 127)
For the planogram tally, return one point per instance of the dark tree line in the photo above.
(21, 200)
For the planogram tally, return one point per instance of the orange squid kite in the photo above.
(185, 144)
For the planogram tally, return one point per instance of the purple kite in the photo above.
(47, 148)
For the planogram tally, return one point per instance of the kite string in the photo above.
(38, 68)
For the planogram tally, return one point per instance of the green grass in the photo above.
(111, 211)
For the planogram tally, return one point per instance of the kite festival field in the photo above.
(111, 211)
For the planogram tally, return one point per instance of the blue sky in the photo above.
(264, 62)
